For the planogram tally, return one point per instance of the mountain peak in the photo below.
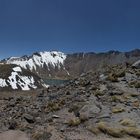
(40, 59)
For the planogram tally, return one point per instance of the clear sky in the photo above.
(70, 26)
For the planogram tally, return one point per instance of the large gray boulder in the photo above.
(136, 64)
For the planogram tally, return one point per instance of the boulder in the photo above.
(90, 111)
(136, 64)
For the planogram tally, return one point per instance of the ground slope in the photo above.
(95, 106)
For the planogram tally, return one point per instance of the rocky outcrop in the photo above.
(136, 64)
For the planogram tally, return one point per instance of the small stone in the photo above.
(104, 116)
(89, 110)
(29, 118)
(12, 125)
(63, 129)
(111, 93)
(55, 116)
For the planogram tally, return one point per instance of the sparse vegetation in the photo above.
(117, 110)
(74, 122)
(136, 103)
(41, 136)
(98, 93)
(52, 106)
(83, 118)
(121, 73)
(135, 84)
(112, 77)
(76, 107)
(132, 131)
(138, 73)
(115, 132)
(127, 122)
(94, 130)
(116, 98)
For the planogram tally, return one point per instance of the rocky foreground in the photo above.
(96, 106)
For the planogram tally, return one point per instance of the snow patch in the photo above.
(17, 69)
(3, 83)
(18, 81)
(24, 82)
(29, 82)
(12, 80)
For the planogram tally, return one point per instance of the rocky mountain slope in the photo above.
(59, 65)
(42, 63)
(79, 63)
(13, 77)
(101, 105)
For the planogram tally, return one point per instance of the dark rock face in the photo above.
(79, 63)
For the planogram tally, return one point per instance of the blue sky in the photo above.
(70, 26)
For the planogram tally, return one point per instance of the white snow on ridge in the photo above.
(53, 58)
(12, 80)
(17, 69)
(25, 82)
(3, 83)
(16, 80)
(29, 82)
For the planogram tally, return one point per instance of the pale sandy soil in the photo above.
(13, 135)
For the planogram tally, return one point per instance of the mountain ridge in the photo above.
(55, 64)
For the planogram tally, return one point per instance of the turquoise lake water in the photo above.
(55, 82)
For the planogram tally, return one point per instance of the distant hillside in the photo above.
(13, 77)
(59, 65)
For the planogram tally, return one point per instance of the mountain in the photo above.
(49, 59)
(79, 63)
(59, 65)
(42, 63)
(13, 77)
